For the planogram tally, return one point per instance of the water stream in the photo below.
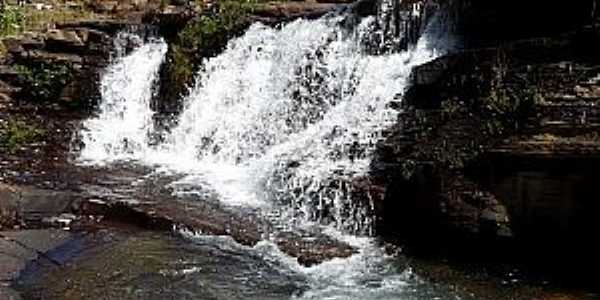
(284, 121)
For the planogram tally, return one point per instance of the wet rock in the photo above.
(27, 41)
(9, 209)
(92, 207)
(70, 93)
(165, 212)
(18, 248)
(151, 206)
(36, 204)
(159, 265)
(63, 220)
(312, 249)
(170, 22)
(32, 40)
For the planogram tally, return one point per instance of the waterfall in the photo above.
(284, 120)
(121, 128)
(285, 117)
(291, 116)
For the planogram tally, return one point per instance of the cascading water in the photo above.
(291, 116)
(284, 119)
(125, 118)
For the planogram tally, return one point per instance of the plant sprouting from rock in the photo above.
(11, 20)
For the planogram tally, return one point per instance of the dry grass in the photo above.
(33, 18)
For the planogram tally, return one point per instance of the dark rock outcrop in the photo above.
(495, 145)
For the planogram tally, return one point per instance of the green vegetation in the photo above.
(509, 108)
(12, 20)
(46, 80)
(16, 134)
(204, 36)
(209, 32)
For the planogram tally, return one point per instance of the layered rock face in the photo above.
(60, 65)
(496, 146)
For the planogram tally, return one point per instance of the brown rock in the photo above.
(18, 248)
(13, 45)
(9, 198)
(43, 56)
(290, 10)
(70, 92)
(63, 40)
(104, 6)
(32, 40)
(7, 89)
(311, 249)
(4, 101)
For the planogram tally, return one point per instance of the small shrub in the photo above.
(509, 108)
(46, 80)
(210, 32)
(11, 20)
(18, 133)
(204, 36)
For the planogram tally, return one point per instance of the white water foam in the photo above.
(292, 116)
(120, 130)
(370, 274)
(288, 116)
